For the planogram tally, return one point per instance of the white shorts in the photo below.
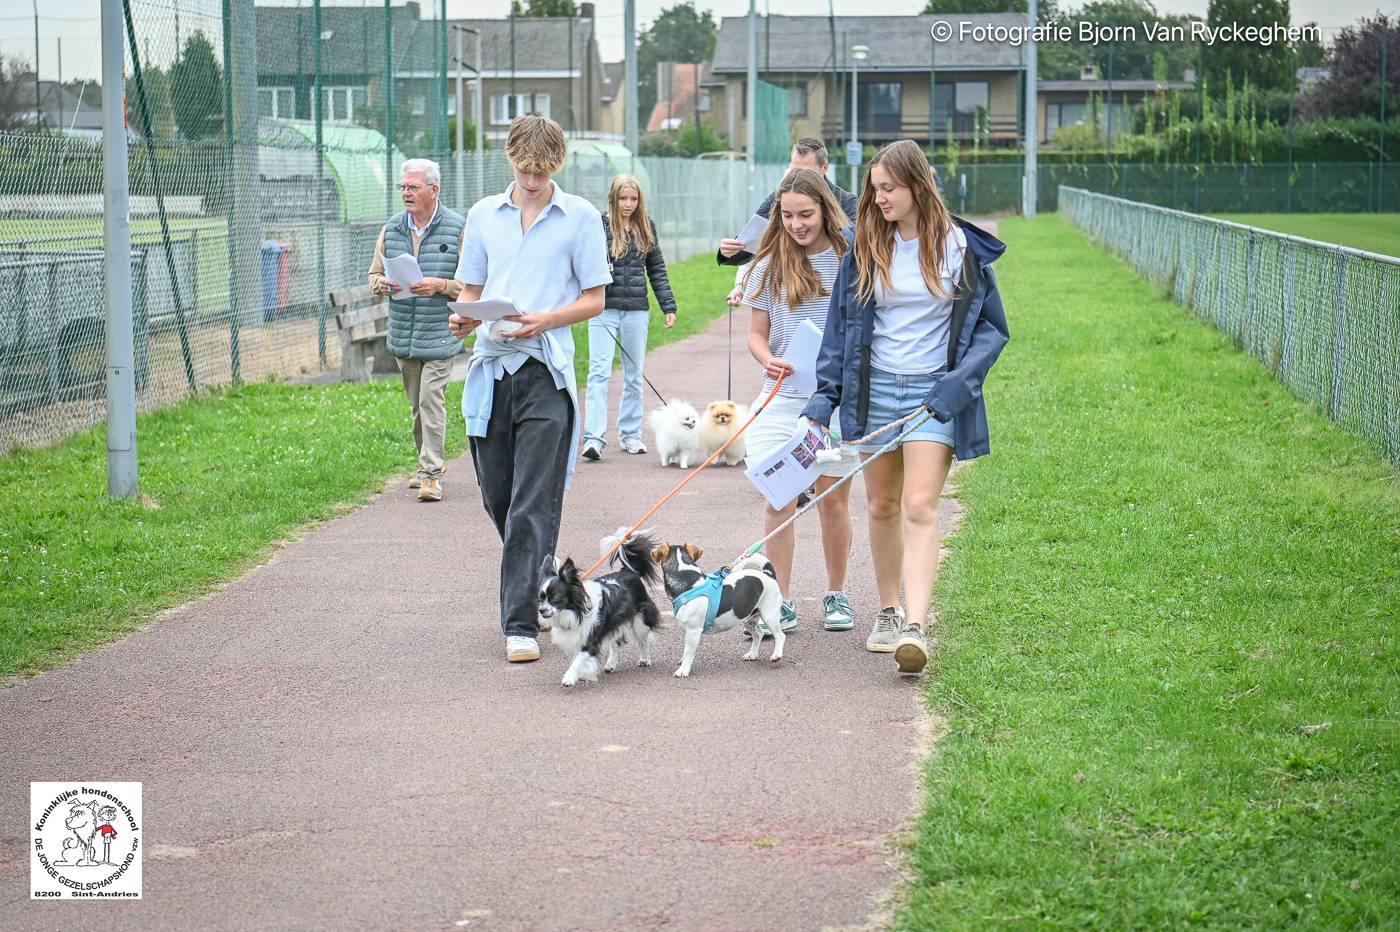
(775, 426)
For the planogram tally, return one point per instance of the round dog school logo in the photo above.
(86, 840)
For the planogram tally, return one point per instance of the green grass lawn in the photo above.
(1372, 232)
(224, 477)
(1168, 659)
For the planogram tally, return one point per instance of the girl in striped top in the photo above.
(789, 282)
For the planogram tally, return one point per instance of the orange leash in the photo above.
(680, 485)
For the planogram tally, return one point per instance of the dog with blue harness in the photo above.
(745, 594)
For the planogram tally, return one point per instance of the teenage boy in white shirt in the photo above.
(543, 249)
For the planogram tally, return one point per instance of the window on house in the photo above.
(1059, 114)
(420, 104)
(797, 96)
(277, 102)
(338, 104)
(881, 108)
(506, 107)
(964, 103)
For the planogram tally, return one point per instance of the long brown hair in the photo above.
(636, 230)
(787, 261)
(874, 248)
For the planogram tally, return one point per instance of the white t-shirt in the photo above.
(782, 319)
(911, 325)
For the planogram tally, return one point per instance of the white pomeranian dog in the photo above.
(676, 426)
(721, 421)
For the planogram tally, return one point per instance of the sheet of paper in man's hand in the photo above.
(403, 270)
(494, 309)
(802, 356)
(752, 233)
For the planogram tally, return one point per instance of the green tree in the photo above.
(1265, 66)
(952, 7)
(544, 8)
(1354, 87)
(12, 105)
(196, 89)
(161, 124)
(680, 34)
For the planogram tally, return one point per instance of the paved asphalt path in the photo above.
(335, 741)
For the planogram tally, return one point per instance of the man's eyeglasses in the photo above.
(411, 188)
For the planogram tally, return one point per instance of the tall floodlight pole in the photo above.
(629, 57)
(477, 117)
(460, 154)
(1030, 184)
(751, 98)
(121, 350)
(462, 112)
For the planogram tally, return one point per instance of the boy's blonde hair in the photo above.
(536, 145)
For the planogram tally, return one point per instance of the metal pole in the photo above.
(1292, 95)
(440, 129)
(38, 100)
(480, 155)
(513, 104)
(1200, 114)
(389, 175)
(571, 75)
(320, 193)
(1108, 129)
(461, 121)
(234, 354)
(1031, 185)
(751, 99)
(629, 49)
(122, 477)
(855, 117)
(1380, 188)
(932, 88)
(59, 95)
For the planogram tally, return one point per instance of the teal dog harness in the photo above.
(711, 587)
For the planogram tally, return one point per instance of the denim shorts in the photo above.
(894, 396)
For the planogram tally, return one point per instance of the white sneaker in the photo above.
(592, 451)
(634, 445)
(885, 634)
(522, 649)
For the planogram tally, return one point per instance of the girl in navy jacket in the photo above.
(915, 322)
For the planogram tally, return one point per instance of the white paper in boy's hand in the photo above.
(752, 233)
(403, 271)
(493, 309)
(802, 356)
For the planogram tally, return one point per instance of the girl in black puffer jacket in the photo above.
(635, 254)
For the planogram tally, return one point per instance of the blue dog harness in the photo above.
(711, 587)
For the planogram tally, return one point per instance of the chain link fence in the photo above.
(242, 227)
(1325, 319)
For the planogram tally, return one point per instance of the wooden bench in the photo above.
(362, 319)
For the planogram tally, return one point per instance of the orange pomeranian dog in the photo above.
(722, 419)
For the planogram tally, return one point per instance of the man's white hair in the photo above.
(429, 169)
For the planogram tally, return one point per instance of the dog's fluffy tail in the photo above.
(635, 553)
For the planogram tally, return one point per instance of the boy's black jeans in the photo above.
(520, 465)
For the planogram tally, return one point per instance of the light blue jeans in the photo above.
(602, 348)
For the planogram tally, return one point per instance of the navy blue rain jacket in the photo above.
(976, 336)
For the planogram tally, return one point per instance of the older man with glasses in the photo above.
(418, 334)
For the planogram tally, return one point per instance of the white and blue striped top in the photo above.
(782, 319)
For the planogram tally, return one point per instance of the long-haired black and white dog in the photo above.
(588, 618)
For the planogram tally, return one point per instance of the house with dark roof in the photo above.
(908, 83)
(612, 118)
(546, 65)
(60, 108)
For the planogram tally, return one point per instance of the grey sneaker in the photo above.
(911, 653)
(885, 634)
(787, 620)
(592, 450)
(837, 606)
(634, 446)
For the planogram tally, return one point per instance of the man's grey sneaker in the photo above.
(911, 653)
(787, 620)
(837, 607)
(592, 451)
(634, 446)
(885, 634)
(522, 649)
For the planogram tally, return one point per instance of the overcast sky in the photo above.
(75, 21)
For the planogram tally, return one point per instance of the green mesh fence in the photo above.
(772, 130)
(242, 227)
(1325, 319)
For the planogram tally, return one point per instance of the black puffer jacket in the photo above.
(628, 291)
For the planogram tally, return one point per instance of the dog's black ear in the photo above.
(567, 569)
(660, 552)
(694, 552)
(550, 566)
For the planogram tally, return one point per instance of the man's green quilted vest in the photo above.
(418, 326)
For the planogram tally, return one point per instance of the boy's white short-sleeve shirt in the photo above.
(543, 269)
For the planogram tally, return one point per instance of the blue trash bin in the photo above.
(270, 261)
